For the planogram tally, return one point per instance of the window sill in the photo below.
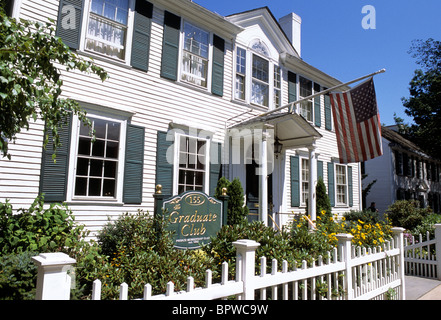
(95, 202)
(103, 58)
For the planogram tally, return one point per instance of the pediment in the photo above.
(260, 24)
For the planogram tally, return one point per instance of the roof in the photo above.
(394, 136)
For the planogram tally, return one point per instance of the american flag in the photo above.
(357, 123)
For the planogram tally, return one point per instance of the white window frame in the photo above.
(176, 161)
(309, 102)
(129, 34)
(181, 56)
(248, 76)
(76, 123)
(304, 191)
(345, 185)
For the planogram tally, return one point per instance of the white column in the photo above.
(263, 180)
(53, 282)
(312, 209)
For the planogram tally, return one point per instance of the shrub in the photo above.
(26, 234)
(322, 203)
(364, 215)
(237, 211)
(407, 214)
(37, 229)
(139, 250)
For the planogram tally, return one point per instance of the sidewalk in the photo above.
(422, 289)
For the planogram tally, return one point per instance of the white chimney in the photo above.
(292, 26)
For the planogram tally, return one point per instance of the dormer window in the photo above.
(258, 78)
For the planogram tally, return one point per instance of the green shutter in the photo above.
(320, 170)
(350, 187)
(317, 115)
(215, 166)
(70, 14)
(164, 169)
(217, 85)
(141, 35)
(292, 88)
(331, 183)
(134, 163)
(295, 182)
(53, 177)
(170, 46)
(328, 117)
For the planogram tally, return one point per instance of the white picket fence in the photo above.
(349, 273)
(420, 256)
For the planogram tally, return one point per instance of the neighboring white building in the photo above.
(403, 172)
(184, 83)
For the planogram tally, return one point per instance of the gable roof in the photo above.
(395, 137)
(264, 13)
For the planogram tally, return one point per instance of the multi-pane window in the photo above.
(192, 167)
(195, 55)
(260, 81)
(240, 73)
(97, 159)
(305, 180)
(341, 183)
(107, 27)
(277, 87)
(305, 91)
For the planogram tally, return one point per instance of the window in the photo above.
(195, 55)
(192, 166)
(341, 181)
(277, 87)
(305, 180)
(260, 80)
(240, 73)
(97, 161)
(107, 27)
(305, 91)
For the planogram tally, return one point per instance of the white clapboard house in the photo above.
(181, 109)
(404, 172)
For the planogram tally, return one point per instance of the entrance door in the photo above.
(252, 192)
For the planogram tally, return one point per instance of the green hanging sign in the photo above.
(194, 217)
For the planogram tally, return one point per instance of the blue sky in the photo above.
(334, 41)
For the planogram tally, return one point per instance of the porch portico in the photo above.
(271, 136)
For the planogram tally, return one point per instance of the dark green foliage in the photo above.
(322, 202)
(237, 211)
(424, 103)
(407, 214)
(30, 78)
(137, 255)
(366, 216)
(27, 233)
(17, 276)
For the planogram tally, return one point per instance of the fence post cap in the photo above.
(398, 230)
(245, 243)
(53, 259)
(344, 236)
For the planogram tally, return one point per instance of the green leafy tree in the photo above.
(424, 103)
(322, 202)
(31, 60)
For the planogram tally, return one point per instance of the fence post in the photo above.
(53, 282)
(246, 252)
(344, 247)
(399, 240)
(438, 249)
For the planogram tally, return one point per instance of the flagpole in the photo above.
(321, 93)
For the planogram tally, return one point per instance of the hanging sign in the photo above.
(194, 217)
